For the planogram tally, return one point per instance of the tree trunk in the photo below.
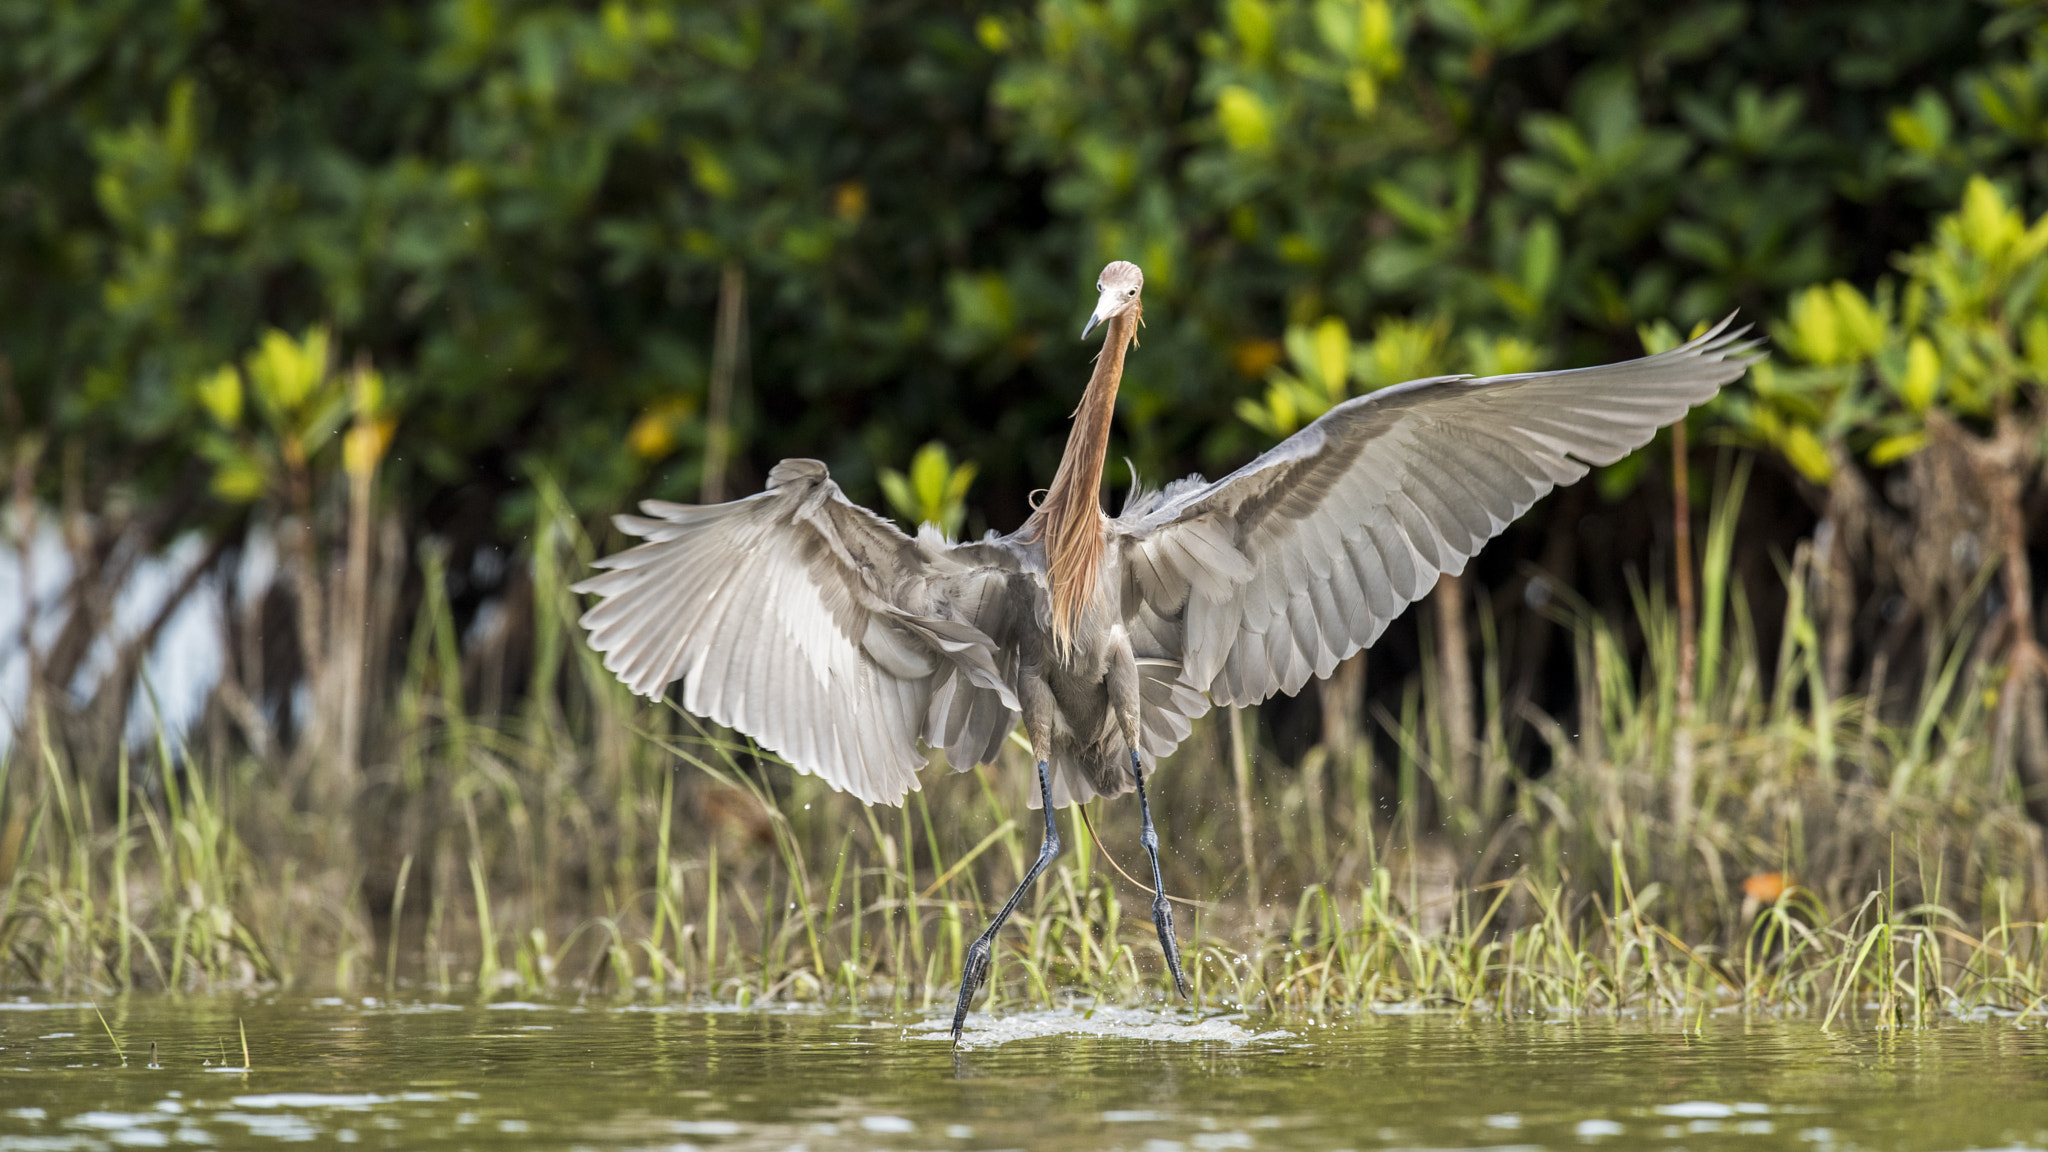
(2003, 464)
(352, 614)
(1343, 707)
(28, 450)
(1343, 700)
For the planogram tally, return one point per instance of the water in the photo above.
(328, 1073)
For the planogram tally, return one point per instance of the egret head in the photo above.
(1119, 285)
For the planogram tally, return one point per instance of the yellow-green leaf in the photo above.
(993, 36)
(1815, 336)
(1763, 378)
(962, 479)
(1363, 90)
(1911, 132)
(1401, 349)
(1332, 356)
(935, 491)
(1281, 412)
(221, 393)
(180, 136)
(1252, 21)
(1258, 416)
(1376, 30)
(1296, 248)
(239, 480)
(1859, 330)
(1987, 225)
(365, 445)
(1657, 336)
(2034, 343)
(1247, 125)
(896, 490)
(928, 471)
(1501, 355)
(285, 372)
(1893, 449)
(368, 391)
(710, 171)
(1805, 452)
(1922, 381)
(2031, 242)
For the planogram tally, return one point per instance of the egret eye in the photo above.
(1098, 285)
(1132, 292)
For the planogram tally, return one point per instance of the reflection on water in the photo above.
(425, 1075)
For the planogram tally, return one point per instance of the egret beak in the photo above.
(1108, 306)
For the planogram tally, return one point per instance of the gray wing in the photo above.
(1302, 557)
(806, 622)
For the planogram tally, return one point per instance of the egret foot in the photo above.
(975, 971)
(972, 974)
(1162, 910)
(1162, 919)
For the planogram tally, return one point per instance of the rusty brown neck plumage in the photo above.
(1069, 520)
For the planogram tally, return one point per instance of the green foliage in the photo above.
(518, 208)
(1965, 334)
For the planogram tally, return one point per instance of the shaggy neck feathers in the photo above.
(1070, 519)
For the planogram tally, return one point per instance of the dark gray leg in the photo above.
(1162, 912)
(976, 969)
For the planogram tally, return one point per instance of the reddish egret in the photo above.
(830, 637)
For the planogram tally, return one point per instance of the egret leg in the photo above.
(1162, 912)
(976, 969)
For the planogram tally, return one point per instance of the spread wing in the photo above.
(1290, 564)
(806, 622)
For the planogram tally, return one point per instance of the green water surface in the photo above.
(370, 1074)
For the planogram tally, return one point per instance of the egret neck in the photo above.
(1070, 519)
